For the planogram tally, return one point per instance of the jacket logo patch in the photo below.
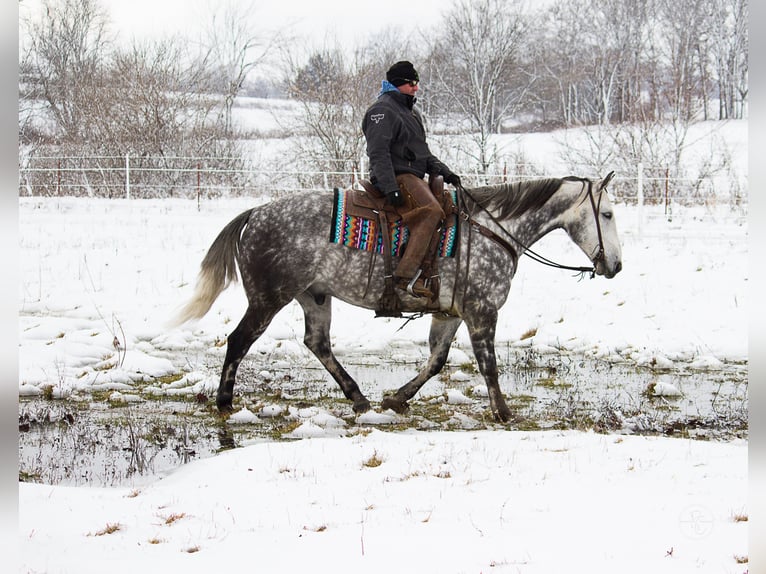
(377, 117)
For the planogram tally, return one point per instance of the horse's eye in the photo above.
(607, 215)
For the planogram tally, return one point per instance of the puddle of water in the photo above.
(62, 442)
(87, 442)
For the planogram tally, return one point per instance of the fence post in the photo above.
(127, 175)
(640, 196)
(199, 181)
(668, 209)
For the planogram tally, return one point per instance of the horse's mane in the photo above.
(515, 199)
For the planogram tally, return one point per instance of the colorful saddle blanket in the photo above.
(353, 227)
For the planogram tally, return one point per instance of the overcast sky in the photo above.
(346, 20)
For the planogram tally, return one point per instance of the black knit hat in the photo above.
(401, 73)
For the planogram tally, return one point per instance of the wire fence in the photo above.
(214, 177)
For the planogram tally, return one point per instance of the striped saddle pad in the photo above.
(355, 225)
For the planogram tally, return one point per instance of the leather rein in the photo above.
(486, 232)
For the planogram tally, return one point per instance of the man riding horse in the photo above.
(399, 160)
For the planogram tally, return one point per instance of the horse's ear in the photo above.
(606, 180)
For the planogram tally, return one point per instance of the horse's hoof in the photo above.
(506, 416)
(361, 406)
(397, 405)
(224, 404)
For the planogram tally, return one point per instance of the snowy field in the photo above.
(96, 270)
(435, 503)
(476, 501)
(100, 279)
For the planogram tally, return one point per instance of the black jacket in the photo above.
(396, 142)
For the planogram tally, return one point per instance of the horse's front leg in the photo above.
(318, 317)
(482, 326)
(443, 329)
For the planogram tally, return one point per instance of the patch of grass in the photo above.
(109, 529)
(528, 334)
(526, 424)
(100, 396)
(522, 399)
(282, 428)
(547, 382)
(374, 461)
(155, 540)
(741, 559)
(192, 549)
(168, 379)
(469, 368)
(429, 409)
(740, 517)
(25, 476)
(175, 517)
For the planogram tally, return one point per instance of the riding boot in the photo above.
(422, 219)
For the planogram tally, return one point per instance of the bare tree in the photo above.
(730, 54)
(476, 64)
(561, 58)
(592, 52)
(237, 45)
(334, 92)
(681, 26)
(66, 57)
(150, 101)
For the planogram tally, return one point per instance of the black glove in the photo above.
(453, 179)
(395, 198)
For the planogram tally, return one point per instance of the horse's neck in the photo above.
(526, 229)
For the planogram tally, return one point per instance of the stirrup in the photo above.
(411, 284)
(415, 287)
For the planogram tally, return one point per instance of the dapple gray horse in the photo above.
(283, 254)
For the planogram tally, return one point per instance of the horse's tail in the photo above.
(217, 270)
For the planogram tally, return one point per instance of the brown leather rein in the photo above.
(465, 216)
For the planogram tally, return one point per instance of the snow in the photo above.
(100, 279)
(414, 502)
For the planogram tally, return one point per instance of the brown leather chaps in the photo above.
(421, 214)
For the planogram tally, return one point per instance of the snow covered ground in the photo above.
(436, 502)
(99, 280)
(96, 270)
(495, 501)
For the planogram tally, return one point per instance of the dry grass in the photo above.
(374, 461)
(528, 334)
(174, 517)
(109, 529)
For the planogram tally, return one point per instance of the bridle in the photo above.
(595, 206)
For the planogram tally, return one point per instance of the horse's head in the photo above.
(591, 225)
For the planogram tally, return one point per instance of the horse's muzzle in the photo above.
(607, 271)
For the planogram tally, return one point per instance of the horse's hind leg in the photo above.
(318, 316)
(443, 329)
(482, 325)
(252, 326)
